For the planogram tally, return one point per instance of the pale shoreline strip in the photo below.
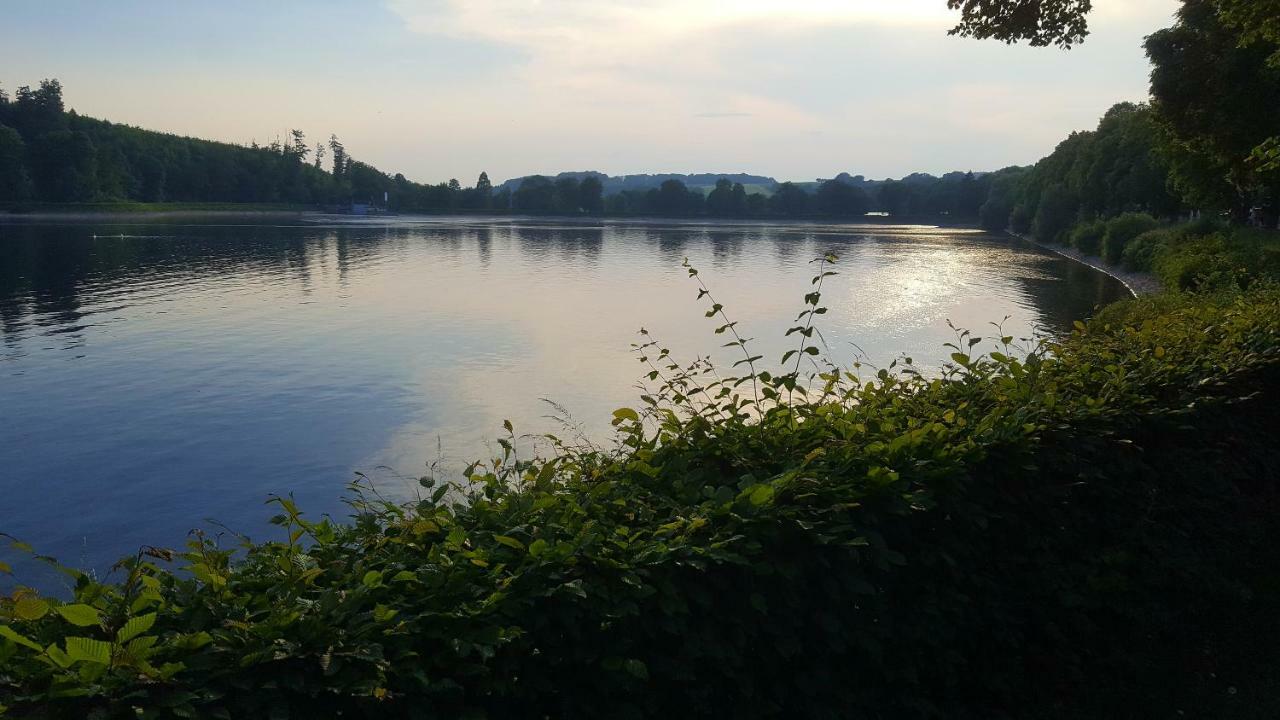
(1137, 283)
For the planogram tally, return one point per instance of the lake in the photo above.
(157, 374)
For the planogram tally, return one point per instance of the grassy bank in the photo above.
(1075, 529)
(1203, 255)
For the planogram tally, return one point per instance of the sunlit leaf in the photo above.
(80, 615)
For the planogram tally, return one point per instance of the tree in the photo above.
(895, 197)
(837, 198)
(150, 176)
(591, 195)
(14, 183)
(339, 153)
(673, 198)
(63, 168)
(567, 195)
(738, 201)
(299, 149)
(789, 199)
(535, 194)
(1255, 20)
(1217, 97)
(40, 110)
(720, 199)
(484, 191)
(1040, 22)
(1056, 213)
(319, 155)
(996, 212)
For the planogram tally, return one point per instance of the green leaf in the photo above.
(372, 579)
(11, 634)
(538, 547)
(960, 358)
(622, 414)
(59, 658)
(30, 608)
(509, 542)
(637, 668)
(760, 494)
(81, 649)
(80, 615)
(193, 641)
(135, 627)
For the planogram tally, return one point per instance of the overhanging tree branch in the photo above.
(1039, 22)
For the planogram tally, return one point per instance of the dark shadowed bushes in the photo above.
(1123, 229)
(1087, 237)
(1239, 258)
(1140, 252)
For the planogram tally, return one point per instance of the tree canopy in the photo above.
(1039, 22)
(1215, 87)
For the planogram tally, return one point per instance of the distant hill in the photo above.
(704, 182)
(615, 184)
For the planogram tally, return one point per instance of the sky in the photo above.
(437, 89)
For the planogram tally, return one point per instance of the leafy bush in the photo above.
(1008, 534)
(1140, 252)
(1087, 236)
(1123, 229)
(1236, 260)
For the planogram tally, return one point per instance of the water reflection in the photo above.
(158, 374)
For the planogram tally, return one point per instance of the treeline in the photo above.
(1100, 173)
(51, 155)
(955, 195)
(1205, 145)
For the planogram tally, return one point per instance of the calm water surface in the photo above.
(156, 375)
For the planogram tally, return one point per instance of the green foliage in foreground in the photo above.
(1022, 531)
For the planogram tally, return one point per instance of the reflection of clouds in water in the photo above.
(555, 312)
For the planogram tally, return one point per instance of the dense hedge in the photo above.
(1121, 231)
(1009, 539)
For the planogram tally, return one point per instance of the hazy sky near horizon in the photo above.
(447, 88)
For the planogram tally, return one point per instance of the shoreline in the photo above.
(151, 214)
(1137, 283)
(142, 211)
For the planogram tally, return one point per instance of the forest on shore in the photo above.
(50, 156)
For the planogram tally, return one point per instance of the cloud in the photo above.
(872, 85)
(592, 43)
(592, 30)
